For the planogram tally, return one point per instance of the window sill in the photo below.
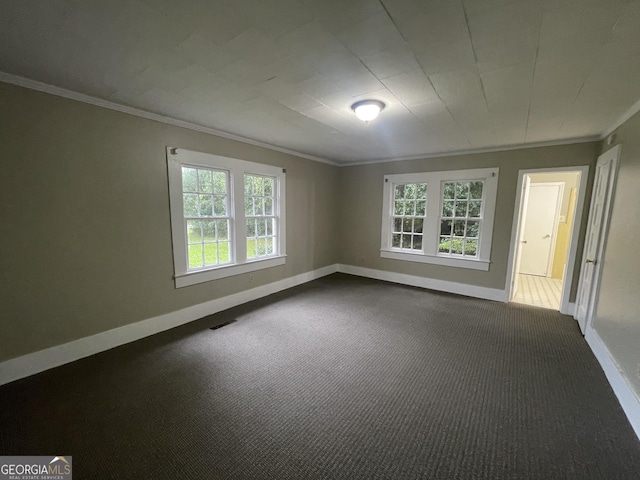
(200, 276)
(468, 263)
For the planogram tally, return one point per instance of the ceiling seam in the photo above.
(533, 77)
(446, 107)
(475, 55)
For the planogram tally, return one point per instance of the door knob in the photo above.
(588, 260)
(523, 241)
(547, 236)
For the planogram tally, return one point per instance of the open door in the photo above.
(524, 205)
(595, 240)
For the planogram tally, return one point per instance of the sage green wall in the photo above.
(617, 319)
(361, 217)
(85, 238)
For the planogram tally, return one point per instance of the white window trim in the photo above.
(431, 229)
(176, 158)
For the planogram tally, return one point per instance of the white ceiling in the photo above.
(455, 75)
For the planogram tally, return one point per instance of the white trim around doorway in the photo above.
(565, 306)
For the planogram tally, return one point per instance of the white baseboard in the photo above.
(628, 399)
(42, 360)
(431, 283)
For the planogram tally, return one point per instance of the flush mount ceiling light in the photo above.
(367, 110)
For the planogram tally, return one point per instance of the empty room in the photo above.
(289, 239)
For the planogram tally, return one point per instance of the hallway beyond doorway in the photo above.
(539, 291)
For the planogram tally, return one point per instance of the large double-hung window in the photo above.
(445, 218)
(227, 216)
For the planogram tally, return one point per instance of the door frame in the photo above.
(518, 215)
(614, 155)
(556, 218)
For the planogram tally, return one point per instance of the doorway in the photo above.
(544, 237)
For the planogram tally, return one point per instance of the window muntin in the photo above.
(409, 211)
(260, 207)
(209, 219)
(461, 218)
(456, 230)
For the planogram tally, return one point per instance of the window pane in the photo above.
(210, 254)
(206, 205)
(205, 183)
(248, 206)
(190, 205)
(397, 224)
(417, 242)
(194, 231)
(409, 208)
(257, 185)
(449, 190)
(269, 246)
(418, 225)
(445, 227)
(262, 228)
(209, 231)
(395, 240)
(399, 207)
(195, 256)
(248, 185)
(461, 209)
(222, 229)
(224, 252)
(268, 187)
(251, 227)
(220, 206)
(257, 206)
(447, 208)
(268, 206)
(251, 248)
(476, 190)
(445, 245)
(474, 209)
(462, 190)
(420, 208)
(410, 191)
(421, 193)
(220, 183)
(189, 179)
(399, 191)
(473, 228)
(270, 222)
(458, 228)
(456, 246)
(471, 248)
(260, 247)
(406, 241)
(407, 225)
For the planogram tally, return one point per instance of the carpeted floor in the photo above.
(340, 378)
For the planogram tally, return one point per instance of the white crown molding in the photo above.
(635, 108)
(520, 146)
(81, 97)
(32, 363)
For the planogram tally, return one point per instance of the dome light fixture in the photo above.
(367, 110)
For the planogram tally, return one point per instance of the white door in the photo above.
(523, 208)
(595, 240)
(540, 222)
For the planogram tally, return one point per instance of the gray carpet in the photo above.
(340, 378)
